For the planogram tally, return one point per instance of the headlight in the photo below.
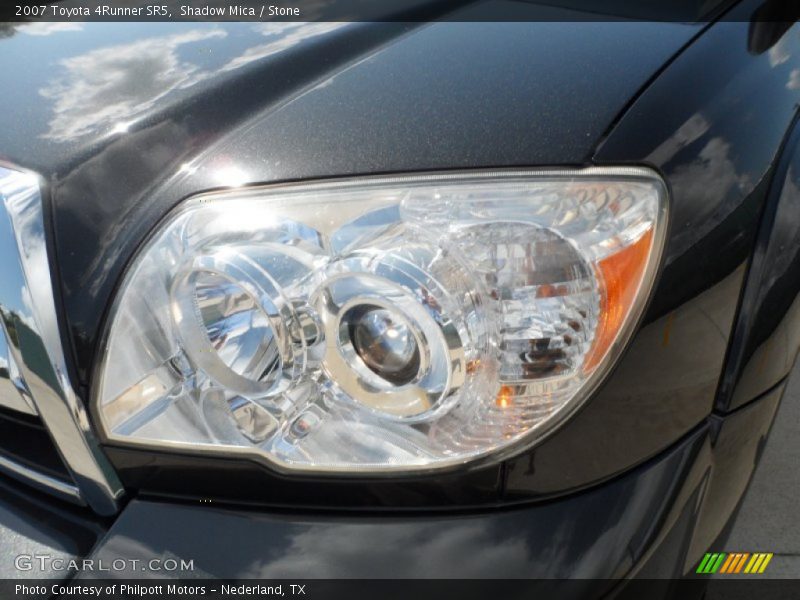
(373, 325)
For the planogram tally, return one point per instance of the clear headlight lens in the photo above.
(370, 325)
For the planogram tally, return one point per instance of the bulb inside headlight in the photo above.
(398, 324)
(385, 342)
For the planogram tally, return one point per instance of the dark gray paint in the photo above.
(110, 114)
(684, 498)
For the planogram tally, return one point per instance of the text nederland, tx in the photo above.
(60, 589)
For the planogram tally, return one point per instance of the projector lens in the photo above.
(384, 342)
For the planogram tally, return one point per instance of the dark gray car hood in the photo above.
(123, 120)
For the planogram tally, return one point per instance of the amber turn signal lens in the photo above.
(622, 275)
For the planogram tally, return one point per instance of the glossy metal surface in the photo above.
(393, 98)
(655, 521)
(562, 539)
(738, 441)
(228, 104)
(232, 103)
(28, 315)
(665, 385)
(767, 337)
(14, 394)
(714, 133)
(40, 481)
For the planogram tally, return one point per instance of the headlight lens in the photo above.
(379, 324)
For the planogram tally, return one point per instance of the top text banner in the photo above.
(387, 10)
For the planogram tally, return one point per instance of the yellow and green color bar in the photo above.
(734, 562)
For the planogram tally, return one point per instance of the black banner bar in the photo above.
(484, 589)
(392, 10)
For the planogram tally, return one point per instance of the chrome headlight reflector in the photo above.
(372, 325)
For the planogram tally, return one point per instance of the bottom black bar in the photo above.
(388, 589)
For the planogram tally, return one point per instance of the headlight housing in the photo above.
(373, 325)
